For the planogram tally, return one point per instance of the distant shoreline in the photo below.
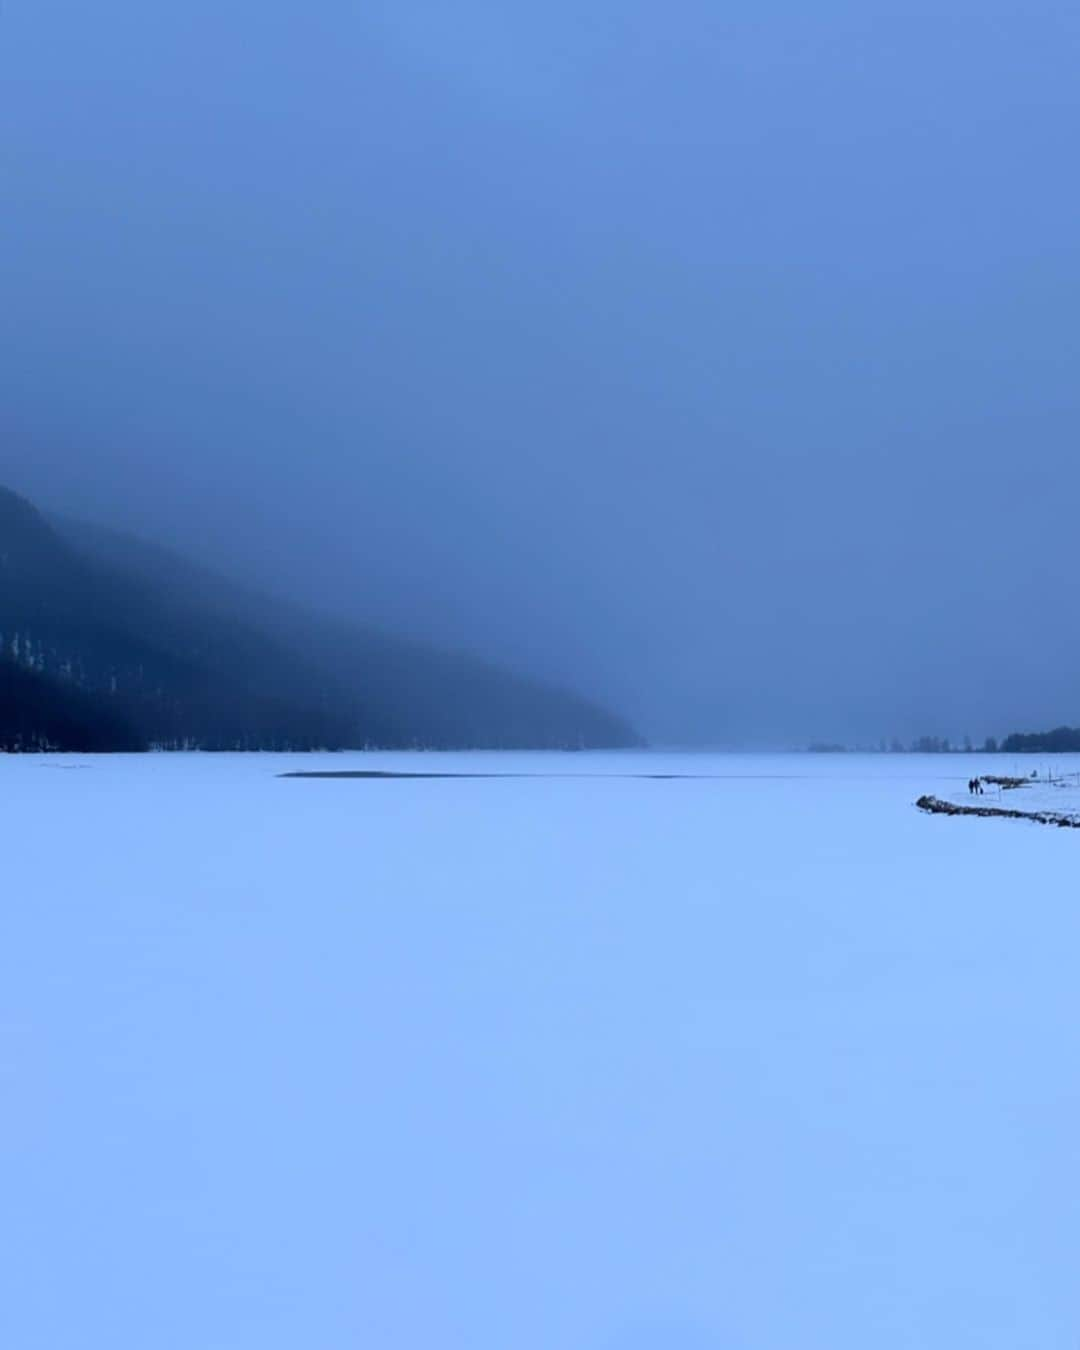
(407, 773)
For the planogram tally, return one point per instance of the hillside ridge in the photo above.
(172, 655)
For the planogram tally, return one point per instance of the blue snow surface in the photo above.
(768, 1060)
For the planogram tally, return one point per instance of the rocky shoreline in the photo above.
(935, 806)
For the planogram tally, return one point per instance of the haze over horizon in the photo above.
(717, 362)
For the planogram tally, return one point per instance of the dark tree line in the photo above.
(38, 714)
(922, 745)
(941, 745)
(1060, 741)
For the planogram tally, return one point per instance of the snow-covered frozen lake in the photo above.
(766, 1060)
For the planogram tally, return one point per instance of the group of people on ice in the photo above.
(975, 787)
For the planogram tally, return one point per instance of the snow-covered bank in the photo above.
(937, 806)
(768, 1059)
(1048, 794)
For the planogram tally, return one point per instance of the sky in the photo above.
(719, 361)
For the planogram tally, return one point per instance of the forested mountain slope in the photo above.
(155, 650)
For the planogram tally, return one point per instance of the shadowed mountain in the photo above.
(167, 653)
